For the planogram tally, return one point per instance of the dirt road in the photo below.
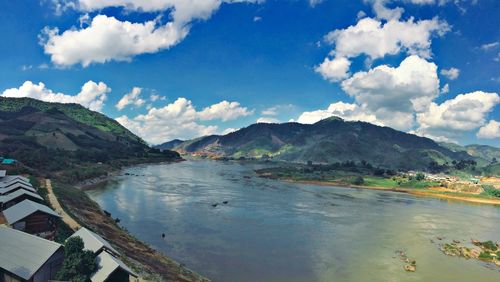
(57, 206)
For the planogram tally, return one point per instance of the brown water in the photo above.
(276, 231)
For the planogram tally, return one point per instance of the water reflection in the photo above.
(275, 231)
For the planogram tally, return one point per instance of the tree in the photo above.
(78, 264)
(358, 181)
(420, 176)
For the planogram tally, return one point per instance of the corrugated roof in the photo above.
(24, 209)
(92, 241)
(11, 177)
(14, 181)
(107, 264)
(23, 254)
(18, 193)
(11, 188)
(2, 173)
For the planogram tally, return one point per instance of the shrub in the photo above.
(78, 264)
(358, 181)
(420, 176)
(490, 191)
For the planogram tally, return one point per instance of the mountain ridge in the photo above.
(327, 141)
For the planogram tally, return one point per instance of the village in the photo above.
(28, 227)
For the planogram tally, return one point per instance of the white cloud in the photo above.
(334, 69)
(92, 95)
(445, 89)
(490, 46)
(107, 38)
(267, 120)
(463, 113)
(224, 111)
(180, 120)
(131, 98)
(257, 19)
(346, 111)
(394, 94)
(490, 130)
(374, 39)
(451, 73)
(313, 3)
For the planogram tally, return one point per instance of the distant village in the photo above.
(27, 232)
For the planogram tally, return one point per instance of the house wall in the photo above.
(49, 270)
(39, 222)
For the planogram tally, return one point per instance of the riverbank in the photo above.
(149, 263)
(413, 191)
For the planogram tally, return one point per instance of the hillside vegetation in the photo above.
(332, 140)
(52, 137)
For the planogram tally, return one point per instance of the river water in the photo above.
(275, 231)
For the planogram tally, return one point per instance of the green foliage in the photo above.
(63, 232)
(489, 245)
(485, 256)
(490, 191)
(420, 176)
(358, 181)
(78, 264)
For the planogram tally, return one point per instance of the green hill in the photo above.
(327, 141)
(53, 136)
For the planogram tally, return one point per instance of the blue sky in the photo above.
(175, 70)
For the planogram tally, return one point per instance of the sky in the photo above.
(170, 69)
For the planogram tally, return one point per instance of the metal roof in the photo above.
(14, 181)
(11, 188)
(24, 209)
(23, 254)
(17, 194)
(2, 173)
(92, 241)
(12, 177)
(107, 264)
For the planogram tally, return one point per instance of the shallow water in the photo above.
(276, 231)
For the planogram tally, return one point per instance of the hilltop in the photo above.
(327, 141)
(51, 137)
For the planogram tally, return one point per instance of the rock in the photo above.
(475, 242)
(456, 241)
(439, 238)
(225, 202)
(215, 205)
(410, 268)
(163, 235)
(474, 253)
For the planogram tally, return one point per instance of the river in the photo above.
(275, 231)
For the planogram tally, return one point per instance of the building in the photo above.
(94, 242)
(16, 197)
(33, 218)
(8, 178)
(10, 181)
(24, 257)
(14, 187)
(9, 161)
(110, 268)
(2, 174)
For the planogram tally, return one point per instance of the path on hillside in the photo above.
(57, 206)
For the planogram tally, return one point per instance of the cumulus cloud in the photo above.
(463, 113)
(489, 131)
(334, 69)
(224, 111)
(92, 95)
(107, 38)
(131, 98)
(180, 119)
(451, 73)
(346, 111)
(375, 39)
(393, 94)
(267, 120)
